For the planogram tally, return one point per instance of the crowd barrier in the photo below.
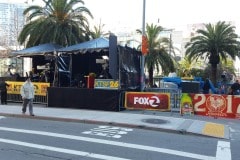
(17, 98)
(42, 98)
(175, 96)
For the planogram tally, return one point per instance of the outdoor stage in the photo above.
(84, 98)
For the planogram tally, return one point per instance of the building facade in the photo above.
(11, 22)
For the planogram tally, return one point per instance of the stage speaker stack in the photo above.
(190, 87)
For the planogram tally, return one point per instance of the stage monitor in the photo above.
(113, 60)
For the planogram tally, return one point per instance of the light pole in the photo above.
(170, 38)
(143, 54)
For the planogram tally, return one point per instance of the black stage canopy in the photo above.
(95, 45)
(41, 49)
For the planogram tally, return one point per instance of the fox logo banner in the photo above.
(147, 100)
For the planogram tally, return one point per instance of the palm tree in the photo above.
(60, 21)
(185, 67)
(98, 31)
(217, 41)
(157, 52)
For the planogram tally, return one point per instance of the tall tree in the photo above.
(214, 42)
(158, 55)
(185, 67)
(98, 31)
(60, 21)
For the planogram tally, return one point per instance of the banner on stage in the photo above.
(40, 88)
(106, 84)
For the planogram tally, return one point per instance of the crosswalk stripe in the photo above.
(108, 142)
(61, 150)
(223, 151)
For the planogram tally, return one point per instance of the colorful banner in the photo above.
(186, 105)
(227, 106)
(147, 100)
(106, 84)
(144, 45)
(40, 88)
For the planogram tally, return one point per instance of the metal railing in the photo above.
(37, 99)
(175, 96)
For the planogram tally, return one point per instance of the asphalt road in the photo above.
(30, 139)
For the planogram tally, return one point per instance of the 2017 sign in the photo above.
(227, 106)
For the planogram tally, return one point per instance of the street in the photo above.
(29, 139)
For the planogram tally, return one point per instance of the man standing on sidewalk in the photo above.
(27, 93)
(3, 90)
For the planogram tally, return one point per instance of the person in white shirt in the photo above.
(27, 93)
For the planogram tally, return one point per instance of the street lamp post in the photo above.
(170, 39)
(143, 56)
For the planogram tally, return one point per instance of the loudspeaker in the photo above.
(113, 60)
(190, 87)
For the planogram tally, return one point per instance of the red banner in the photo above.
(227, 106)
(144, 45)
(147, 100)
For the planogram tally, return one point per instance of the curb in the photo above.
(178, 131)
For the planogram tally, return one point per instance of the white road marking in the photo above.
(121, 144)
(223, 151)
(61, 150)
(108, 131)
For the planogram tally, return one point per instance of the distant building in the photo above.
(11, 22)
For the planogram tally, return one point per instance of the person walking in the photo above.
(3, 89)
(27, 93)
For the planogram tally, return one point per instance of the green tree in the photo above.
(214, 42)
(98, 31)
(158, 55)
(187, 68)
(60, 21)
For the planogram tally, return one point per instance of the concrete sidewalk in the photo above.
(162, 121)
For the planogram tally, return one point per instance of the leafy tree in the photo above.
(60, 21)
(214, 42)
(158, 55)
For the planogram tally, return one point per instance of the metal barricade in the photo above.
(17, 98)
(175, 96)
